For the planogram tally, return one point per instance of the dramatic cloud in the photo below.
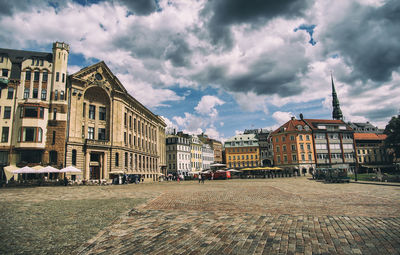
(266, 56)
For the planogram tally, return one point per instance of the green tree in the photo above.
(392, 142)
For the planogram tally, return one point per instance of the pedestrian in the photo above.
(142, 179)
(202, 178)
(177, 178)
(199, 178)
(65, 180)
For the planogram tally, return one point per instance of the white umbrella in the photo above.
(221, 171)
(49, 169)
(24, 170)
(70, 169)
(217, 164)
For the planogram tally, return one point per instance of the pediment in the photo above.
(100, 75)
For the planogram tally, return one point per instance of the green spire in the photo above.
(337, 113)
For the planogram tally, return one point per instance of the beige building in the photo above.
(87, 120)
(33, 106)
(196, 154)
(110, 132)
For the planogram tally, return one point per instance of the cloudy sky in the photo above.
(223, 66)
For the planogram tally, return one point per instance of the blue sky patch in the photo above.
(310, 30)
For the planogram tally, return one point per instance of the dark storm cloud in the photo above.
(223, 13)
(140, 7)
(271, 73)
(368, 40)
(178, 53)
(378, 114)
(9, 7)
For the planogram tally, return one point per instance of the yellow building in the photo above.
(242, 151)
(110, 132)
(196, 153)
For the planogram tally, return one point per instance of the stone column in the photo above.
(87, 165)
(105, 166)
(101, 163)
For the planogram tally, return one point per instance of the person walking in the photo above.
(202, 178)
(199, 178)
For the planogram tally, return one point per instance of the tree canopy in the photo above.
(392, 130)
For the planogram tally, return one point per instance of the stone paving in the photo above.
(279, 216)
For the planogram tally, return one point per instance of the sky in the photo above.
(220, 67)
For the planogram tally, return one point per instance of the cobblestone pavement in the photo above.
(279, 216)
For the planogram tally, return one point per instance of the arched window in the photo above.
(74, 157)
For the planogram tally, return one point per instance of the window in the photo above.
(28, 75)
(63, 77)
(308, 146)
(56, 95)
(292, 138)
(279, 159)
(102, 113)
(54, 113)
(10, 94)
(57, 76)
(7, 112)
(44, 94)
(303, 157)
(53, 157)
(4, 134)
(125, 114)
(130, 122)
(284, 148)
(4, 72)
(31, 134)
(293, 147)
(74, 157)
(62, 95)
(35, 93)
(36, 76)
(91, 133)
(32, 112)
(334, 146)
(126, 159)
(285, 158)
(116, 159)
(301, 137)
(130, 139)
(92, 112)
(309, 157)
(45, 76)
(102, 134)
(307, 137)
(125, 138)
(294, 158)
(84, 110)
(26, 93)
(277, 148)
(283, 138)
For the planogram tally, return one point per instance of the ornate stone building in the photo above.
(242, 151)
(87, 120)
(110, 132)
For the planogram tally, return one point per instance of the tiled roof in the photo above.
(291, 125)
(369, 136)
(242, 141)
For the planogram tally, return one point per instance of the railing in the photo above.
(102, 143)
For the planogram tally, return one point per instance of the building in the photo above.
(207, 156)
(34, 106)
(178, 154)
(87, 119)
(216, 146)
(109, 131)
(333, 142)
(266, 147)
(293, 146)
(366, 127)
(242, 151)
(196, 153)
(370, 150)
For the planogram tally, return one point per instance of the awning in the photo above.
(8, 171)
(116, 172)
(70, 169)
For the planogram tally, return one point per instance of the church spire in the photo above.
(337, 113)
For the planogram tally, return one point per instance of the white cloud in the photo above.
(207, 105)
(251, 102)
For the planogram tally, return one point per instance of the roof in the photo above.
(369, 136)
(292, 126)
(314, 122)
(243, 140)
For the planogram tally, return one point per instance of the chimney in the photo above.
(301, 116)
(293, 118)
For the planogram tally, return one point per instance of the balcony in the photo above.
(97, 143)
